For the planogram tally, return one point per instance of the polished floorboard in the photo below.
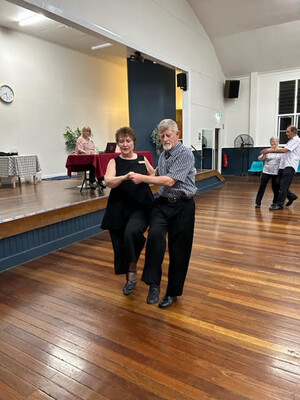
(68, 332)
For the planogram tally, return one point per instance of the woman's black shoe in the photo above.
(130, 283)
(128, 288)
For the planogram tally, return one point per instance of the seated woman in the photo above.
(270, 171)
(128, 207)
(85, 145)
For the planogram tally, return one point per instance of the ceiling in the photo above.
(248, 35)
(57, 32)
(252, 35)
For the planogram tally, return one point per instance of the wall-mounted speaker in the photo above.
(231, 90)
(181, 80)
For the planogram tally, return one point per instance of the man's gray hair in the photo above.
(166, 124)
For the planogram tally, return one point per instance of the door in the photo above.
(216, 150)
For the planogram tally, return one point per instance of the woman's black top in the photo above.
(127, 197)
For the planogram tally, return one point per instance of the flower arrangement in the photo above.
(156, 140)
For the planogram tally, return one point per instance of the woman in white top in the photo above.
(270, 171)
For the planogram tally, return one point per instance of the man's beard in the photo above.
(167, 146)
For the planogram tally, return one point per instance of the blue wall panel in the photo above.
(20, 248)
(240, 161)
(151, 90)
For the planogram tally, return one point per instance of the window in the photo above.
(288, 107)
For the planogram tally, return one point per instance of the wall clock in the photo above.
(6, 94)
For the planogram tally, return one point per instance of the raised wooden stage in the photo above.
(59, 209)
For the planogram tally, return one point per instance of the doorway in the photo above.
(216, 149)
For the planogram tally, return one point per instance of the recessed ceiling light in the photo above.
(32, 20)
(101, 46)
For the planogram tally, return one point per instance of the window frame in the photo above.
(295, 116)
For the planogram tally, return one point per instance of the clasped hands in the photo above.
(135, 177)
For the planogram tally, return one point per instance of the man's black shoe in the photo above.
(290, 202)
(166, 301)
(153, 295)
(275, 207)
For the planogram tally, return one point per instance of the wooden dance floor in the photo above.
(67, 332)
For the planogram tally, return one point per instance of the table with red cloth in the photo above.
(82, 162)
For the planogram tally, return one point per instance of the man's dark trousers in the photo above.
(177, 220)
(285, 177)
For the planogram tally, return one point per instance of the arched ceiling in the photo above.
(252, 35)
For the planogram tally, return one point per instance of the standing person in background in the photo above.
(128, 208)
(173, 214)
(290, 157)
(85, 145)
(270, 171)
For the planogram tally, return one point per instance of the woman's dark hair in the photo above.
(126, 131)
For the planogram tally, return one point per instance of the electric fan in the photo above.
(244, 142)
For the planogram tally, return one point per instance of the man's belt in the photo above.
(174, 199)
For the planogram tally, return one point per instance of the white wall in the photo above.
(55, 87)
(238, 111)
(236, 119)
(206, 101)
(165, 29)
